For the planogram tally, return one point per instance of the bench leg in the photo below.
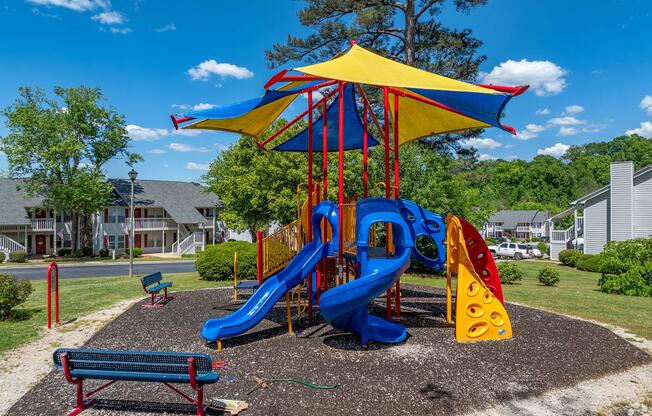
(200, 401)
(81, 403)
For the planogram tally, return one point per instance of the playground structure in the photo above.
(331, 243)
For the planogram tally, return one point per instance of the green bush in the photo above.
(543, 248)
(137, 252)
(548, 276)
(2, 256)
(12, 293)
(588, 262)
(509, 273)
(18, 257)
(569, 257)
(216, 261)
(103, 253)
(490, 241)
(63, 252)
(626, 267)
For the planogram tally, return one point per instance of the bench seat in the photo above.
(207, 378)
(158, 287)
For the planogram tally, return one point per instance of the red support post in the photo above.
(324, 162)
(397, 190)
(365, 154)
(310, 191)
(54, 266)
(259, 258)
(388, 295)
(340, 178)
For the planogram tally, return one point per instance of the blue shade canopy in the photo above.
(353, 129)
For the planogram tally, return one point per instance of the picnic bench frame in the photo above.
(148, 283)
(131, 361)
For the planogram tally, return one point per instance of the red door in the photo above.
(40, 244)
(137, 240)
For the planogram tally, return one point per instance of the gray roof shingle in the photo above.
(510, 218)
(13, 202)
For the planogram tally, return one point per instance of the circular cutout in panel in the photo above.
(485, 272)
(472, 289)
(474, 310)
(471, 242)
(487, 297)
(497, 319)
(480, 255)
(477, 329)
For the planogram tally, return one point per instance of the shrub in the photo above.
(509, 273)
(543, 248)
(63, 252)
(2, 256)
(104, 252)
(548, 276)
(137, 252)
(635, 282)
(490, 241)
(626, 267)
(216, 261)
(569, 257)
(18, 257)
(87, 251)
(588, 262)
(12, 293)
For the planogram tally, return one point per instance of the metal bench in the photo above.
(152, 285)
(160, 367)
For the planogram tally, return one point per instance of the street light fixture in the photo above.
(132, 176)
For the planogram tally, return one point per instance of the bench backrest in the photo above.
(132, 361)
(151, 279)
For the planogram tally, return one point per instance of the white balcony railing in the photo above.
(563, 236)
(579, 224)
(523, 228)
(153, 223)
(42, 224)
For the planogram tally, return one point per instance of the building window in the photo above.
(116, 243)
(154, 240)
(116, 215)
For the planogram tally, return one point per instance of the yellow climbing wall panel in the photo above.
(479, 315)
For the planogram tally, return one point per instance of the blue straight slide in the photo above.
(263, 299)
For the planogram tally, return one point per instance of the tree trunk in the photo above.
(410, 32)
(74, 230)
(253, 236)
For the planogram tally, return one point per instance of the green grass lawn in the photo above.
(80, 297)
(576, 294)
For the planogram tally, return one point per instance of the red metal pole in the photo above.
(310, 190)
(340, 178)
(397, 189)
(365, 154)
(325, 151)
(259, 259)
(50, 296)
(56, 294)
(388, 309)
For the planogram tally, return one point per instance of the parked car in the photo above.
(533, 251)
(511, 250)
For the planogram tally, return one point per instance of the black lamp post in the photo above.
(132, 176)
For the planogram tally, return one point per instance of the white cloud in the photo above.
(542, 112)
(109, 18)
(139, 133)
(644, 130)
(202, 106)
(204, 70)
(566, 121)
(573, 109)
(120, 30)
(509, 146)
(187, 148)
(544, 77)
(197, 166)
(187, 133)
(76, 5)
(316, 95)
(568, 131)
(157, 152)
(646, 104)
(530, 132)
(167, 28)
(485, 156)
(479, 143)
(181, 107)
(556, 150)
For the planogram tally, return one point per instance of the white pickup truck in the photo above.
(513, 250)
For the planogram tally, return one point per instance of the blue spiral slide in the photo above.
(346, 306)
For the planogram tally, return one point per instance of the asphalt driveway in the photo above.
(97, 270)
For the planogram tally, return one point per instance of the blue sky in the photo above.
(589, 63)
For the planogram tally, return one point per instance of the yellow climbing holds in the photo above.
(479, 315)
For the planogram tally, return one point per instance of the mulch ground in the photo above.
(429, 374)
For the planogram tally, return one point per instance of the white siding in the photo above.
(622, 201)
(596, 223)
(643, 205)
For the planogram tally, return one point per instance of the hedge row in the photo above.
(216, 261)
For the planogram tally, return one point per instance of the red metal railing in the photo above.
(54, 266)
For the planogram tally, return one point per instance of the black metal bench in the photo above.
(152, 285)
(161, 367)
